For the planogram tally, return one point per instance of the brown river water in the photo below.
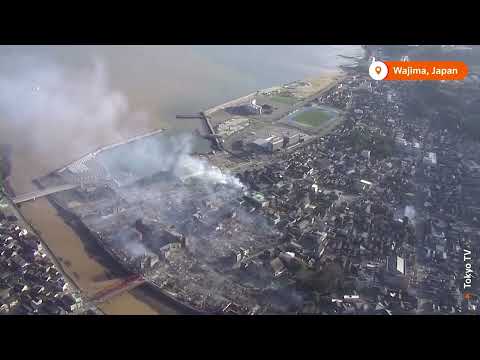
(58, 103)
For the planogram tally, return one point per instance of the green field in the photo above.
(284, 99)
(314, 118)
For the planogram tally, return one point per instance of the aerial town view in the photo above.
(329, 194)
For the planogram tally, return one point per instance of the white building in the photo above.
(410, 212)
(430, 159)
(366, 154)
(365, 182)
(400, 265)
(256, 109)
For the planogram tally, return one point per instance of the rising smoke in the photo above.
(169, 160)
(187, 166)
(44, 104)
(47, 108)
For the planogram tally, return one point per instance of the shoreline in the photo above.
(7, 192)
(85, 234)
(339, 76)
(113, 262)
(109, 146)
(29, 227)
(334, 78)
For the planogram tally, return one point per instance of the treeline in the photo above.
(381, 146)
(455, 111)
(471, 126)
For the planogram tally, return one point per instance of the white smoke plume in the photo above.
(53, 92)
(50, 109)
(57, 113)
(188, 166)
(170, 153)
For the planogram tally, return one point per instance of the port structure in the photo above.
(189, 116)
(125, 284)
(41, 193)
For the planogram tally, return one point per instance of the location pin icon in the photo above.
(378, 70)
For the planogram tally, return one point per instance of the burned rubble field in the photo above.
(179, 234)
(194, 234)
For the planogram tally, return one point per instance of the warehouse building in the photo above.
(274, 143)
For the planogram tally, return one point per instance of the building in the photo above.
(68, 303)
(396, 265)
(232, 126)
(409, 212)
(254, 108)
(277, 143)
(262, 145)
(278, 267)
(294, 139)
(271, 144)
(400, 265)
(245, 109)
(291, 140)
(257, 199)
(366, 154)
(472, 165)
(430, 159)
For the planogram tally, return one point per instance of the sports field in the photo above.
(314, 117)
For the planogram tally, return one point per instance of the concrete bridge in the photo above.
(41, 193)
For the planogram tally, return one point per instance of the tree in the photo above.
(471, 126)
(358, 140)
(382, 146)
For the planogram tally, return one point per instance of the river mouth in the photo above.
(163, 84)
(86, 263)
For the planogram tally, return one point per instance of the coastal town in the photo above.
(30, 283)
(345, 201)
(340, 199)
